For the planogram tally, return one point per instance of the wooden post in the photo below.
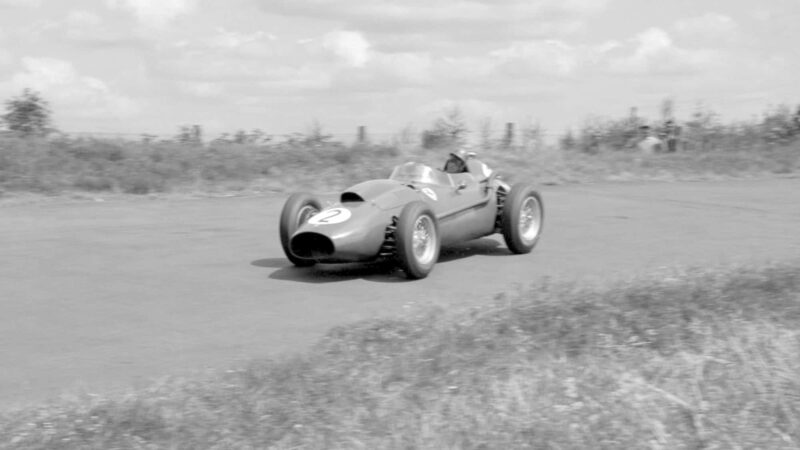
(509, 137)
(362, 134)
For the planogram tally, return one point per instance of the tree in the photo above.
(190, 135)
(448, 130)
(28, 114)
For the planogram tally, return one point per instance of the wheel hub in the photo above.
(530, 219)
(424, 239)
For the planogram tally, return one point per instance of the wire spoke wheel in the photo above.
(522, 218)
(424, 239)
(530, 219)
(417, 237)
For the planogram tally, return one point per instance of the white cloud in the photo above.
(654, 52)
(68, 90)
(710, 25)
(350, 46)
(155, 12)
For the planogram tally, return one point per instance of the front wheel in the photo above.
(418, 242)
(523, 217)
(296, 211)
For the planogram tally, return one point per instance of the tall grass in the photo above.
(682, 359)
(53, 166)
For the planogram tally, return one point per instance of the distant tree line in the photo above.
(702, 131)
(29, 115)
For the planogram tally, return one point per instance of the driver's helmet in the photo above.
(457, 162)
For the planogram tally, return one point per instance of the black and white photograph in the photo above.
(399, 224)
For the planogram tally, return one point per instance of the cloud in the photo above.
(440, 23)
(155, 13)
(60, 82)
(89, 28)
(655, 53)
(228, 45)
(5, 57)
(413, 67)
(236, 57)
(234, 40)
(383, 11)
(202, 89)
(349, 46)
(547, 57)
(20, 3)
(707, 26)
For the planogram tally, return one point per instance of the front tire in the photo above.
(418, 242)
(297, 210)
(523, 217)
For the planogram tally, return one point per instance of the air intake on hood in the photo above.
(351, 197)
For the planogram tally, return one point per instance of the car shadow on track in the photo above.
(385, 271)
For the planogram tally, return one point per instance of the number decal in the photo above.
(330, 216)
(430, 193)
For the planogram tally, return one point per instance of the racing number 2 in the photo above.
(331, 216)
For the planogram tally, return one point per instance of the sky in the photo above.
(150, 66)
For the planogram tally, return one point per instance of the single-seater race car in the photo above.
(411, 215)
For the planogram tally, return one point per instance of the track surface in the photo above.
(103, 296)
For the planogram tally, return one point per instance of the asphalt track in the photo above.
(99, 296)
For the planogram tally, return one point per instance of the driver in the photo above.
(456, 163)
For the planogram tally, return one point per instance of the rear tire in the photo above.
(418, 242)
(523, 218)
(297, 210)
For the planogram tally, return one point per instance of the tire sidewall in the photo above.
(288, 222)
(407, 260)
(510, 222)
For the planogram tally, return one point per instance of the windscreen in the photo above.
(418, 173)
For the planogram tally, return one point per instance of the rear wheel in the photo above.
(523, 217)
(296, 211)
(418, 242)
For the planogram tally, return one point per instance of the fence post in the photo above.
(508, 139)
(362, 134)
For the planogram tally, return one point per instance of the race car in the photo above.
(411, 215)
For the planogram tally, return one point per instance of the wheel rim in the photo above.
(530, 219)
(424, 240)
(305, 213)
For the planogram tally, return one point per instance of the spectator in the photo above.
(649, 144)
(671, 132)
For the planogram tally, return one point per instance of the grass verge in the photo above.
(694, 359)
(98, 167)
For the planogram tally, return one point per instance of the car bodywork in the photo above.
(360, 225)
